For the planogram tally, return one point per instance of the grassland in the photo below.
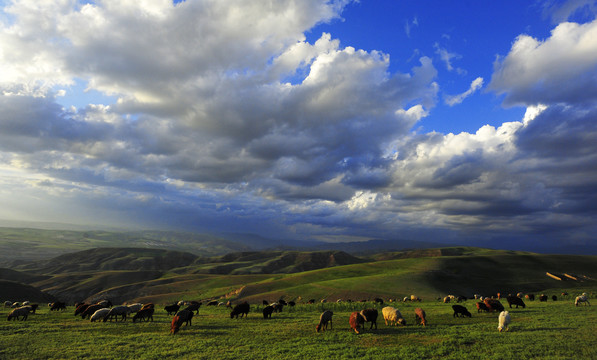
(548, 330)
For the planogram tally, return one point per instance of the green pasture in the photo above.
(548, 330)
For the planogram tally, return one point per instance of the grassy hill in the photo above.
(125, 275)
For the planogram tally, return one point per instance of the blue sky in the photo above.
(457, 122)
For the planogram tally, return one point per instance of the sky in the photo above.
(451, 122)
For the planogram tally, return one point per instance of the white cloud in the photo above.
(457, 99)
(227, 117)
(559, 69)
(447, 57)
(561, 11)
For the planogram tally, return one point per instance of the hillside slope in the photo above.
(15, 291)
(125, 275)
(274, 262)
(104, 259)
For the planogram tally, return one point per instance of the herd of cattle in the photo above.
(105, 311)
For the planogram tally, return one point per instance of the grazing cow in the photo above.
(57, 306)
(291, 303)
(267, 312)
(22, 311)
(265, 302)
(582, 299)
(324, 319)
(503, 321)
(172, 309)
(393, 316)
(515, 300)
(530, 297)
(240, 309)
(447, 299)
(460, 311)
(370, 315)
(34, 308)
(420, 316)
(194, 306)
(356, 320)
(148, 306)
(144, 314)
(277, 307)
(213, 303)
(543, 297)
(481, 307)
(378, 301)
(311, 301)
(554, 298)
(493, 305)
(281, 301)
(105, 303)
(80, 308)
(181, 317)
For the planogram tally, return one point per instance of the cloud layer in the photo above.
(226, 118)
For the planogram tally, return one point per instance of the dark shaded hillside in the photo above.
(104, 259)
(25, 278)
(509, 273)
(80, 286)
(274, 262)
(15, 291)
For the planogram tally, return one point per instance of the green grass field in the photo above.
(551, 330)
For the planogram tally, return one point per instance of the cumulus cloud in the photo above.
(227, 117)
(534, 70)
(457, 99)
(202, 98)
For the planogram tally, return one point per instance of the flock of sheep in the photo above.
(105, 311)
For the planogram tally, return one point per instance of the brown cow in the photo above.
(356, 320)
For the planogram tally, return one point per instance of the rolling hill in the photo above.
(129, 274)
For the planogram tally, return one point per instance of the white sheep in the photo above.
(392, 315)
(503, 321)
(18, 312)
(118, 311)
(582, 299)
(99, 314)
